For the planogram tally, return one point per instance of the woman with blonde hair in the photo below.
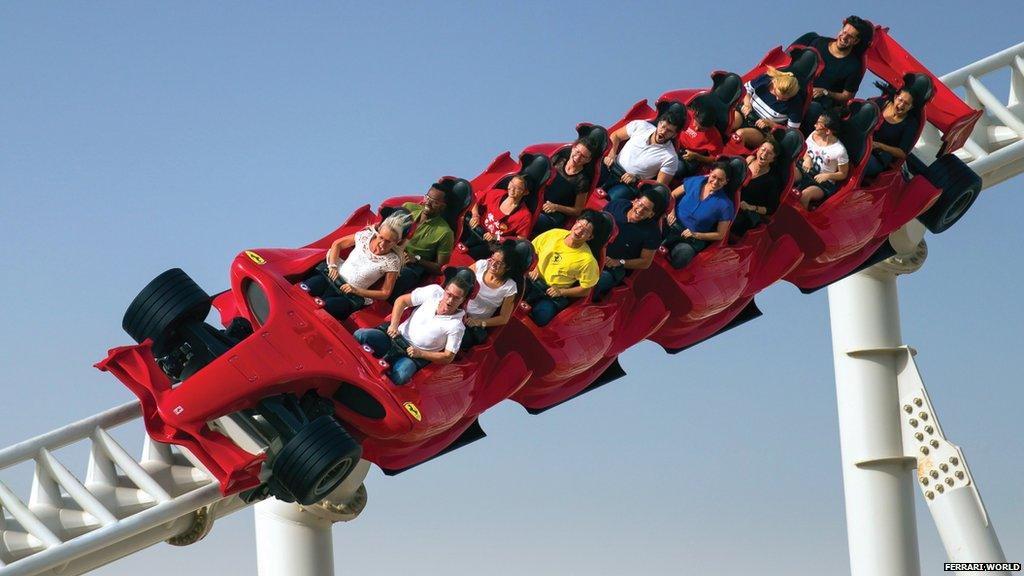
(345, 284)
(771, 102)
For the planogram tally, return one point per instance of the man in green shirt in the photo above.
(431, 244)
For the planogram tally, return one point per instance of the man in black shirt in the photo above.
(638, 237)
(844, 65)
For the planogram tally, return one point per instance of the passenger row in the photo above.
(542, 236)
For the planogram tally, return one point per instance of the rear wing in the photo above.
(946, 111)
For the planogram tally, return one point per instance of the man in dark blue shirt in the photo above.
(638, 236)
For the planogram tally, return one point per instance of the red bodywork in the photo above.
(299, 347)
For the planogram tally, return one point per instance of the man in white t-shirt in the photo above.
(648, 153)
(433, 333)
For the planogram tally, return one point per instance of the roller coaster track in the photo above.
(69, 526)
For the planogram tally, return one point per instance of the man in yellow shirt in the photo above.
(566, 267)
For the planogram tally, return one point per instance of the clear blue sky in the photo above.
(135, 137)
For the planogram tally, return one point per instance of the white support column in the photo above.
(291, 541)
(294, 540)
(879, 487)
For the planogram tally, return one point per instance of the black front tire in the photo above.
(315, 461)
(167, 302)
(960, 188)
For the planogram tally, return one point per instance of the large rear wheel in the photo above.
(169, 301)
(960, 188)
(316, 460)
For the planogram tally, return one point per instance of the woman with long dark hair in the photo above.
(499, 279)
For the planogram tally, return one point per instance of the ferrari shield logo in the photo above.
(255, 257)
(413, 411)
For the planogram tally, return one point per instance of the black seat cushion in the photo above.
(596, 136)
(803, 65)
(857, 128)
(791, 144)
(736, 170)
(920, 87)
(727, 87)
(459, 195)
(603, 228)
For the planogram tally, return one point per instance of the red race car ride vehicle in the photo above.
(283, 401)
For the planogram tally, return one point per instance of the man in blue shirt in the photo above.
(702, 215)
(638, 237)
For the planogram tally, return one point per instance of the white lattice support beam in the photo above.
(125, 504)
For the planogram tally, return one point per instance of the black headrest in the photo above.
(596, 137)
(791, 144)
(920, 87)
(707, 101)
(736, 170)
(458, 197)
(803, 65)
(675, 108)
(536, 168)
(659, 194)
(524, 253)
(727, 87)
(603, 224)
(858, 126)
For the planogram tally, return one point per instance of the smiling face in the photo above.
(580, 154)
(847, 38)
(517, 189)
(452, 298)
(717, 179)
(433, 202)
(666, 131)
(642, 209)
(496, 264)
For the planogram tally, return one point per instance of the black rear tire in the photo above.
(169, 300)
(315, 461)
(960, 188)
